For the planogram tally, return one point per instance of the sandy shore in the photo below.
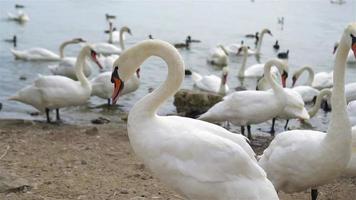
(95, 162)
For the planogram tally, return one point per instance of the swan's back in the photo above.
(290, 162)
(323, 80)
(35, 54)
(197, 160)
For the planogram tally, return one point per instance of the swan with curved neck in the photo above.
(108, 49)
(212, 83)
(244, 108)
(318, 151)
(198, 160)
(54, 92)
(42, 54)
(259, 44)
(319, 81)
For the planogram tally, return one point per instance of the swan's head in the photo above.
(266, 30)
(88, 50)
(126, 29)
(350, 37)
(78, 40)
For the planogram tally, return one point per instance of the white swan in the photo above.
(20, 17)
(108, 49)
(199, 160)
(212, 83)
(42, 54)
(318, 81)
(103, 88)
(219, 56)
(244, 108)
(301, 159)
(306, 90)
(54, 92)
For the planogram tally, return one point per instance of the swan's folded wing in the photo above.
(210, 83)
(207, 158)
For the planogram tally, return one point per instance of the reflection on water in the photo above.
(310, 29)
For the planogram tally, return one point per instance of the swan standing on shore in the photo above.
(212, 83)
(301, 159)
(198, 160)
(244, 108)
(42, 54)
(54, 92)
(108, 49)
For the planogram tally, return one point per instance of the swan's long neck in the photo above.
(243, 65)
(310, 75)
(259, 44)
(122, 45)
(325, 92)
(339, 124)
(148, 106)
(62, 46)
(276, 87)
(79, 65)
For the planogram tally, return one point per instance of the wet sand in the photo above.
(93, 162)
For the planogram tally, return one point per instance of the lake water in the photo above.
(310, 32)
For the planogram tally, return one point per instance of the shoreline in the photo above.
(68, 161)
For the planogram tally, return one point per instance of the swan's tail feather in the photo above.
(196, 77)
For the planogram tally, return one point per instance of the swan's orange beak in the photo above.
(118, 85)
(353, 47)
(284, 78)
(94, 57)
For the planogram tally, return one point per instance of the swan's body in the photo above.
(301, 159)
(323, 80)
(66, 67)
(108, 49)
(212, 83)
(54, 92)
(250, 107)
(219, 56)
(199, 160)
(306, 92)
(42, 54)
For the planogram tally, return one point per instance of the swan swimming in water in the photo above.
(199, 160)
(42, 54)
(54, 92)
(212, 83)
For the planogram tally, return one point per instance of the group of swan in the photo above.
(54, 92)
(200, 160)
